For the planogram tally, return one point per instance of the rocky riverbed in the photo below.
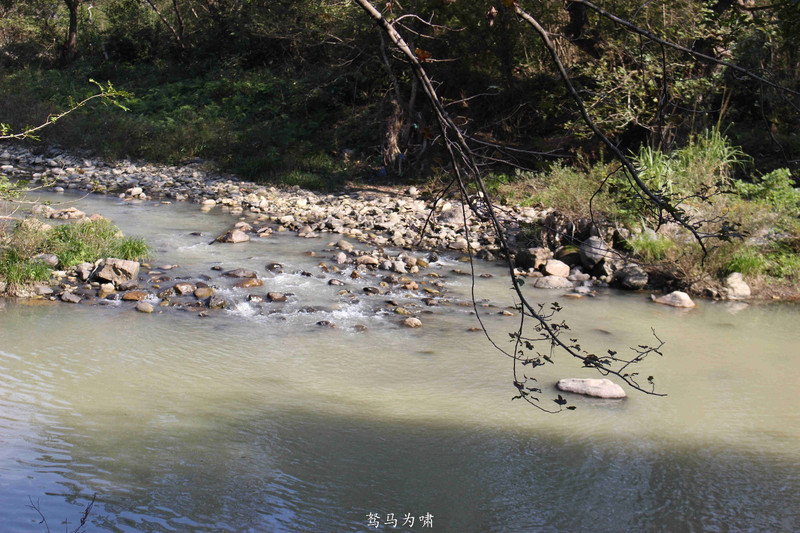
(384, 236)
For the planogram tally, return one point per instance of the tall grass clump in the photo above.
(71, 243)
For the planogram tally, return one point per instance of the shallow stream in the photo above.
(256, 419)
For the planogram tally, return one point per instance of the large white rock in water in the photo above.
(599, 388)
(675, 299)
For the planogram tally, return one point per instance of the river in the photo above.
(256, 419)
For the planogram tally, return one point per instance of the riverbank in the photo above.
(380, 219)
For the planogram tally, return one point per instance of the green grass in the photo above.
(651, 249)
(72, 243)
(747, 260)
(88, 241)
(17, 271)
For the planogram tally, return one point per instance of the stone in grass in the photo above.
(599, 388)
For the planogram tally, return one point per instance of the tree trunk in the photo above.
(70, 47)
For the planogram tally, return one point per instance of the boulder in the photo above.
(276, 297)
(84, 271)
(553, 282)
(117, 271)
(593, 250)
(631, 277)
(554, 267)
(569, 254)
(234, 236)
(599, 388)
(675, 299)
(70, 298)
(412, 322)
(737, 288)
(532, 258)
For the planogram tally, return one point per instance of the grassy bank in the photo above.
(711, 180)
(21, 249)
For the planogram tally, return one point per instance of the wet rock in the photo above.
(345, 246)
(182, 288)
(736, 287)
(554, 267)
(276, 297)
(598, 388)
(368, 260)
(248, 283)
(631, 277)
(255, 298)
(674, 299)
(136, 296)
(241, 273)
(166, 293)
(326, 324)
(553, 282)
(117, 271)
(202, 293)
(106, 289)
(412, 322)
(144, 307)
(275, 267)
(217, 302)
(233, 236)
(70, 298)
(336, 282)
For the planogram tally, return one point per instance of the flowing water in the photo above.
(254, 419)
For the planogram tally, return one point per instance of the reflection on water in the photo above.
(253, 422)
